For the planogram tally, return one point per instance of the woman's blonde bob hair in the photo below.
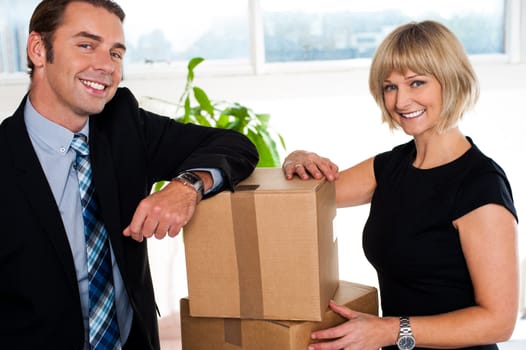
(426, 48)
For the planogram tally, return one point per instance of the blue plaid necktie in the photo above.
(103, 327)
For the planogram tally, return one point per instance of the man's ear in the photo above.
(36, 50)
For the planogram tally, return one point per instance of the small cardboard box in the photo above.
(265, 251)
(235, 334)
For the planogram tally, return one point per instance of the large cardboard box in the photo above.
(199, 333)
(265, 251)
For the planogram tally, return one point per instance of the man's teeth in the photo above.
(93, 85)
(412, 114)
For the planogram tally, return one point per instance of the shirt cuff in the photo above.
(217, 178)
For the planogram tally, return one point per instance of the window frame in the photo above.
(515, 52)
(514, 46)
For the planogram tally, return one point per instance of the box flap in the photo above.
(273, 179)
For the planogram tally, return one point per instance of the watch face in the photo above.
(406, 342)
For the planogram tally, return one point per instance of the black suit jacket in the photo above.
(130, 150)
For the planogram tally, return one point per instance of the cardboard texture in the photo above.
(199, 333)
(265, 251)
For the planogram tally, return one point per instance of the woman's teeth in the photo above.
(413, 114)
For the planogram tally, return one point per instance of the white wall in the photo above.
(332, 113)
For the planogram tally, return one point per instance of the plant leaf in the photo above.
(223, 121)
(229, 115)
(202, 120)
(263, 118)
(268, 155)
(203, 100)
(191, 65)
(194, 62)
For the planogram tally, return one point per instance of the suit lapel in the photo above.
(106, 188)
(32, 181)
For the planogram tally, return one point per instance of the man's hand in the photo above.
(163, 213)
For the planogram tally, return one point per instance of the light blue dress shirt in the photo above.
(52, 145)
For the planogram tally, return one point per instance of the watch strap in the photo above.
(405, 326)
(406, 340)
(190, 179)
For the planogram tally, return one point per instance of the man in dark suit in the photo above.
(75, 51)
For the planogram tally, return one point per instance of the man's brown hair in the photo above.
(48, 16)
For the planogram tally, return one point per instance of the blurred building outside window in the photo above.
(161, 34)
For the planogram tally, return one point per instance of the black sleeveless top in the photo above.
(409, 237)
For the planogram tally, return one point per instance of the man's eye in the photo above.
(117, 55)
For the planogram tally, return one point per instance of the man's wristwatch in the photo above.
(188, 178)
(406, 340)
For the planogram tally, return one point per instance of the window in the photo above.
(303, 30)
(260, 33)
(13, 34)
(161, 31)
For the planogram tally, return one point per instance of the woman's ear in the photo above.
(36, 50)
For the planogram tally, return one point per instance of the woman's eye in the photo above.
(417, 83)
(388, 88)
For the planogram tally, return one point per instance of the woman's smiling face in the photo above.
(414, 101)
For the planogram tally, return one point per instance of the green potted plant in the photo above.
(194, 106)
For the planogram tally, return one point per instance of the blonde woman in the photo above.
(442, 227)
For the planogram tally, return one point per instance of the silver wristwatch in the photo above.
(406, 340)
(190, 179)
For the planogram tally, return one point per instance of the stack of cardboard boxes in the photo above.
(262, 264)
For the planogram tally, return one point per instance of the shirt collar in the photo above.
(54, 136)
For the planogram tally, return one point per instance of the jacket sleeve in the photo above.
(171, 147)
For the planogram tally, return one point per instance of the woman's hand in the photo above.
(308, 164)
(360, 332)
